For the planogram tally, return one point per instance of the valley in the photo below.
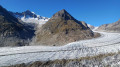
(40, 33)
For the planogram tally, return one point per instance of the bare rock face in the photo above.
(12, 32)
(113, 27)
(61, 29)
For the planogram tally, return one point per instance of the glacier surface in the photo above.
(107, 43)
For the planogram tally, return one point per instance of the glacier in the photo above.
(107, 43)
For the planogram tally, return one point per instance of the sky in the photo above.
(94, 12)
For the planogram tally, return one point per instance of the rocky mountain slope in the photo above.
(113, 27)
(61, 29)
(12, 32)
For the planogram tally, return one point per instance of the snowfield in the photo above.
(107, 43)
(35, 20)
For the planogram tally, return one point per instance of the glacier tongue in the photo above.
(107, 43)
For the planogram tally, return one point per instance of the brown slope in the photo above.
(113, 27)
(61, 29)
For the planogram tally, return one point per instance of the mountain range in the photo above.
(18, 29)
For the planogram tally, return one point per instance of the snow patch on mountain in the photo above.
(34, 20)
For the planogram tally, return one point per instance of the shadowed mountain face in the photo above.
(113, 27)
(61, 29)
(11, 30)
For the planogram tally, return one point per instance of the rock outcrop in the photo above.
(61, 29)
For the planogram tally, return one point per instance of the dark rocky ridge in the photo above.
(61, 29)
(113, 27)
(12, 32)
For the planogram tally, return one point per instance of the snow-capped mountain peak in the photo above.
(30, 17)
